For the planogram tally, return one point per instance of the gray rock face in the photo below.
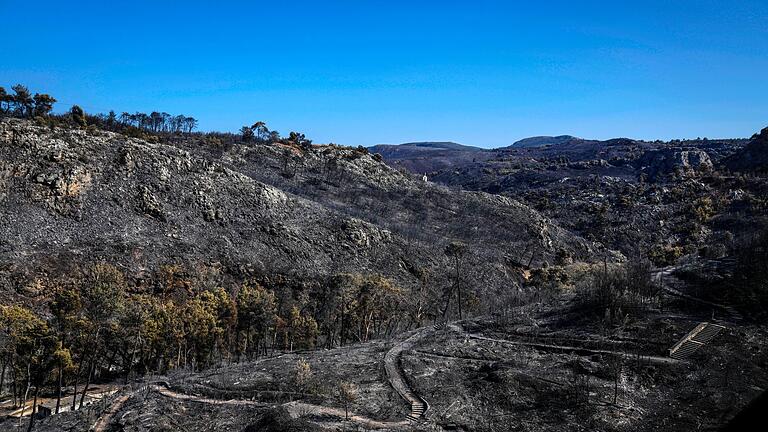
(104, 196)
(664, 162)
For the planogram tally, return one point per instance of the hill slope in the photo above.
(540, 141)
(267, 208)
(426, 157)
(754, 156)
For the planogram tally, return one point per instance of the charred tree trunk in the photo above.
(74, 390)
(34, 409)
(2, 376)
(58, 387)
(87, 383)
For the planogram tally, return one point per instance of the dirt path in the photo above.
(165, 391)
(103, 422)
(93, 395)
(395, 376)
(296, 409)
(566, 349)
(302, 409)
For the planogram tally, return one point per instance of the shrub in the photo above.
(664, 255)
(78, 116)
(615, 293)
(303, 374)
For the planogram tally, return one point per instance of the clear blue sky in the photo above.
(366, 72)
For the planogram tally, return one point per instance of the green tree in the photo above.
(43, 104)
(246, 133)
(256, 316)
(299, 139)
(261, 131)
(78, 116)
(22, 100)
(28, 345)
(103, 295)
(302, 375)
(62, 360)
(5, 101)
(65, 307)
(301, 330)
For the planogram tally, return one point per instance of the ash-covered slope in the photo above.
(269, 208)
(102, 196)
(754, 156)
(427, 157)
(499, 231)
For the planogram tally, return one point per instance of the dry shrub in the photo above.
(615, 293)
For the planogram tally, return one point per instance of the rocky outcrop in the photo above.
(680, 162)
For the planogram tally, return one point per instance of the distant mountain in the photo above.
(426, 157)
(753, 157)
(423, 146)
(539, 141)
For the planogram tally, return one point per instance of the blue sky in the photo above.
(366, 72)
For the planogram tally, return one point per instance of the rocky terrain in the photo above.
(615, 190)
(238, 285)
(754, 156)
(70, 195)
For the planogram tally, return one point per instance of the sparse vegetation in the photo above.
(347, 396)
(617, 293)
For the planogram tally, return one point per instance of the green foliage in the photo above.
(22, 101)
(78, 116)
(299, 140)
(257, 316)
(23, 104)
(96, 324)
(363, 306)
(247, 134)
(703, 209)
(302, 375)
(43, 104)
(662, 255)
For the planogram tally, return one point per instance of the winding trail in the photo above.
(295, 409)
(395, 375)
(394, 372)
(418, 405)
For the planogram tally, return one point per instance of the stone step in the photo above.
(685, 350)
